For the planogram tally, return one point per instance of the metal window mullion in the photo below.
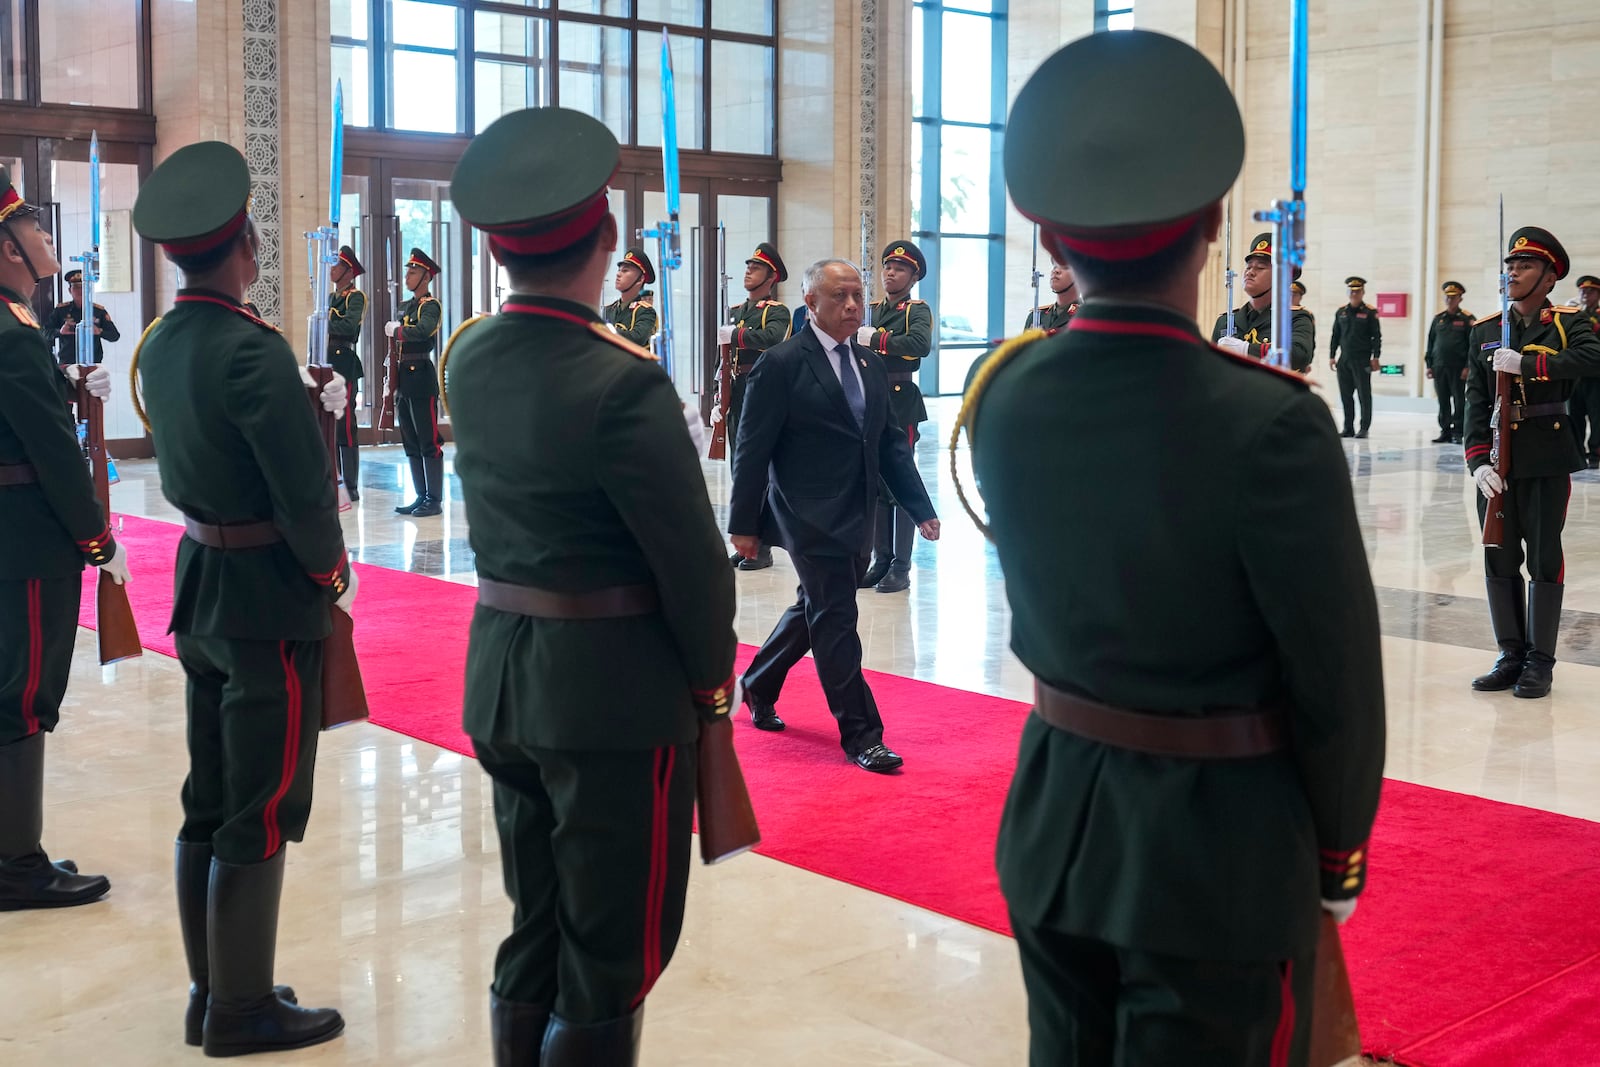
(997, 178)
(932, 173)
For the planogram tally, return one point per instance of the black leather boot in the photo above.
(419, 481)
(245, 1014)
(1510, 633)
(882, 546)
(433, 488)
(905, 534)
(614, 1043)
(1544, 624)
(350, 470)
(517, 1031)
(192, 870)
(762, 560)
(27, 877)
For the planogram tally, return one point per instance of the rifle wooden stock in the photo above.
(727, 820)
(391, 376)
(119, 636)
(1494, 513)
(1335, 1035)
(344, 696)
(719, 427)
(92, 413)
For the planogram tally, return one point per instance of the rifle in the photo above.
(1335, 1034)
(1494, 514)
(391, 375)
(719, 426)
(344, 698)
(1288, 217)
(1036, 276)
(1228, 274)
(669, 252)
(118, 634)
(866, 272)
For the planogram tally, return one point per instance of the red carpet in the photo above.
(1477, 942)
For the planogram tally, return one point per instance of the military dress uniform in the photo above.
(1204, 759)
(901, 333)
(1449, 340)
(1050, 317)
(635, 320)
(1585, 402)
(258, 572)
(593, 533)
(347, 308)
(1254, 326)
(1558, 348)
(71, 311)
(1299, 290)
(757, 326)
(53, 527)
(416, 403)
(1357, 330)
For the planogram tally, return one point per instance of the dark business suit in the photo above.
(805, 477)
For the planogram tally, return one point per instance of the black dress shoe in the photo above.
(1361, 435)
(896, 581)
(878, 759)
(1592, 462)
(1505, 673)
(735, 559)
(874, 575)
(763, 716)
(1347, 432)
(1535, 680)
(1443, 438)
(762, 560)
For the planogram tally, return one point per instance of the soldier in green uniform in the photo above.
(1252, 320)
(1449, 338)
(260, 569)
(631, 316)
(53, 526)
(593, 533)
(1585, 403)
(1056, 314)
(62, 326)
(416, 403)
(1201, 770)
(1298, 288)
(1356, 329)
(901, 332)
(347, 307)
(753, 327)
(1552, 349)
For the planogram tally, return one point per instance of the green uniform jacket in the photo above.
(1358, 331)
(345, 312)
(635, 321)
(53, 526)
(1449, 341)
(902, 336)
(419, 337)
(1238, 581)
(236, 441)
(578, 474)
(1559, 347)
(67, 347)
(1051, 316)
(1255, 327)
(757, 326)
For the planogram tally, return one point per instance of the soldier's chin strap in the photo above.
(21, 251)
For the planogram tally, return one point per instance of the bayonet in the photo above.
(1288, 217)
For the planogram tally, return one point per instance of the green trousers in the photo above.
(1091, 1004)
(595, 851)
(1536, 511)
(38, 627)
(254, 711)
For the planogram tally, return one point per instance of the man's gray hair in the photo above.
(813, 275)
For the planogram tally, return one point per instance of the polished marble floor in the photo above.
(394, 905)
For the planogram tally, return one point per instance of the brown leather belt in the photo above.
(18, 474)
(619, 601)
(1519, 412)
(741, 369)
(902, 376)
(1229, 734)
(232, 536)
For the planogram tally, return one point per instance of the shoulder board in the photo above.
(1044, 307)
(1296, 307)
(23, 313)
(1261, 365)
(771, 303)
(1466, 313)
(258, 320)
(429, 299)
(915, 301)
(1487, 318)
(102, 307)
(1565, 310)
(622, 342)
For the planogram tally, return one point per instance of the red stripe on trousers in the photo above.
(291, 750)
(30, 720)
(433, 420)
(1283, 1038)
(656, 888)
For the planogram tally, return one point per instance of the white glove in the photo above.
(613, 327)
(335, 394)
(391, 328)
(1508, 361)
(72, 371)
(1233, 344)
(1341, 910)
(117, 565)
(864, 335)
(1490, 484)
(99, 383)
(347, 599)
(697, 429)
(724, 335)
(716, 414)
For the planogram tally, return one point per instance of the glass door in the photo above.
(688, 293)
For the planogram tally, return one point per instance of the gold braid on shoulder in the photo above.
(969, 407)
(133, 375)
(444, 360)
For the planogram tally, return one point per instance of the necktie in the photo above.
(852, 387)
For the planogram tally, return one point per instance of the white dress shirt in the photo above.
(830, 346)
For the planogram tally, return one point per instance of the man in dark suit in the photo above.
(815, 435)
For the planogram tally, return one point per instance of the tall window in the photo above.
(454, 66)
(1113, 14)
(958, 100)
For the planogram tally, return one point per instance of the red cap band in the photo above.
(547, 241)
(1121, 245)
(215, 239)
